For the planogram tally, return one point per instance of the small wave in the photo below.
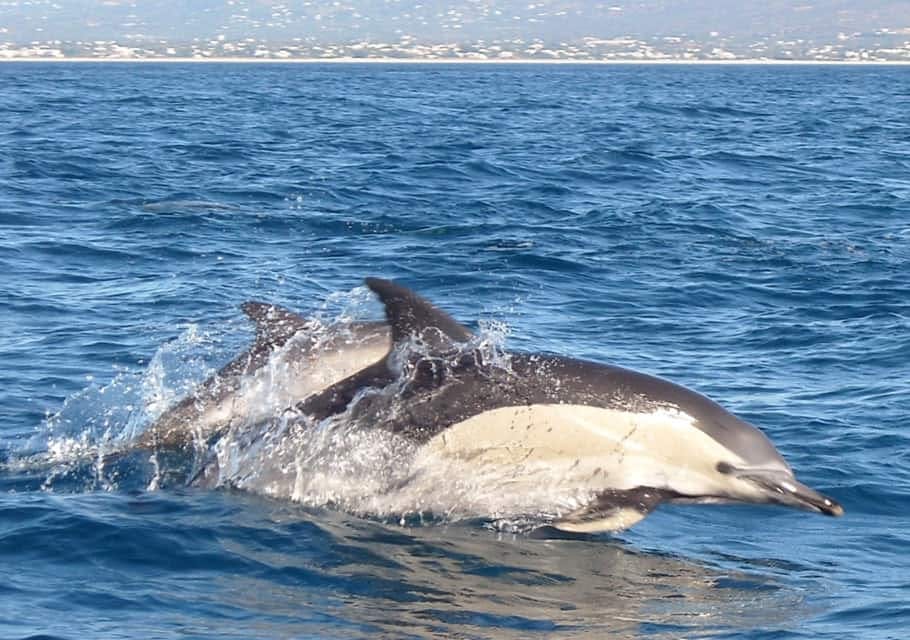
(179, 206)
(705, 111)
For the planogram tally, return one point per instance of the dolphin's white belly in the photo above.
(583, 447)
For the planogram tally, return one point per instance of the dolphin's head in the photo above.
(751, 468)
(722, 457)
(776, 484)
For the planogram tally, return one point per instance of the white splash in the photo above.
(337, 463)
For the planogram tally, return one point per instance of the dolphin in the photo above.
(623, 440)
(290, 359)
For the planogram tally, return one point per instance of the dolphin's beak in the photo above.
(783, 488)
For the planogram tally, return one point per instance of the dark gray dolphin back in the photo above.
(274, 324)
(631, 390)
(468, 386)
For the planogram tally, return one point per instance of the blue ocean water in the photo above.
(744, 231)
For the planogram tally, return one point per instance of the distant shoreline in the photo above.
(458, 61)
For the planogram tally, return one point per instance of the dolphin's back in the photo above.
(439, 398)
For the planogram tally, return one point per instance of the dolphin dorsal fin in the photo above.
(408, 314)
(274, 324)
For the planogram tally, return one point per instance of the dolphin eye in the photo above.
(725, 468)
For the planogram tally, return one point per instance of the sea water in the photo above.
(741, 230)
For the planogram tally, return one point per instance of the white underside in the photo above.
(584, 448)
(514, 465)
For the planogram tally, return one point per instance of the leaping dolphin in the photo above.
(290, 359)
(630, 441)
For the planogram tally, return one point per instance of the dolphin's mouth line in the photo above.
(822, 504)
(789, 491)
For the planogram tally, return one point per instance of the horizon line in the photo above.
(476, 61)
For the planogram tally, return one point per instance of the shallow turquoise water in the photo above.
(741, 230)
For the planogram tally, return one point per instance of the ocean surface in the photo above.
(744, 231)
